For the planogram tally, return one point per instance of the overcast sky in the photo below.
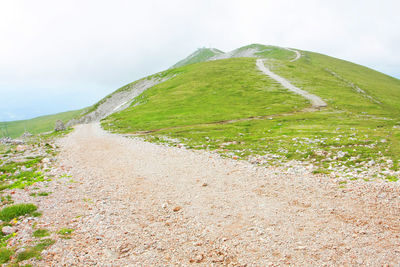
(60, 55)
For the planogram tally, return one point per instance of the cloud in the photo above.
(84, 50)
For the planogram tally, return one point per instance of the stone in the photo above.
(7, 230)
(177, 208)
(59, 126)
(26, 135)
(20, 148)
(25, 169)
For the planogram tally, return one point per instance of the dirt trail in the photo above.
(135, 203)
(316, 101)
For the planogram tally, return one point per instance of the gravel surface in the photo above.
(316, 101)
(133, 203)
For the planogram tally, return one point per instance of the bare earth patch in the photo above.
(135, 203)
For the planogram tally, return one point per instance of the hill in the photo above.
(266, 104)
(37, 125)
(228, 105)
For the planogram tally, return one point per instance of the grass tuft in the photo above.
(65, 233)
(14, 211)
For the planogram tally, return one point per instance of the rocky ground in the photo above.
(26, 172)
(116, 201)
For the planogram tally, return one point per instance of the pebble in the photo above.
(177, 208)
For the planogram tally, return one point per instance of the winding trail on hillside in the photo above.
(137, 203)
(298, 54)
(316, 101)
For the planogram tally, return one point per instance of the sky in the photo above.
(65, 54)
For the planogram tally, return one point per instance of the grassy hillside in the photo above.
(230, 107)
(208, 92)
(36, 125)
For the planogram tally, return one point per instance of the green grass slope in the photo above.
(230, 107)
(37, 125)
(208, 92)
(200, 55)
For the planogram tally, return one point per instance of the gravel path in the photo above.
(316, 101)
(135, 203)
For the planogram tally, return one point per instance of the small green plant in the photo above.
(65, 233)
(5, 255)
(34, 251)
(43, 194)
(392, 178)
(41, 233)
(14, 211)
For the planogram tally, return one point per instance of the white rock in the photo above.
(21, 148)
(7, 230)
